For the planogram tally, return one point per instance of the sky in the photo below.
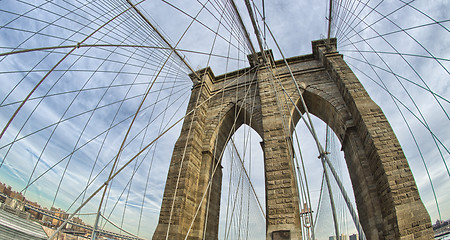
(74, 136)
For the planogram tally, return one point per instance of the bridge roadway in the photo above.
(442, 233)
(126, 237)
(101, 232)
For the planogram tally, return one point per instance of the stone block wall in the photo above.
(387, 199)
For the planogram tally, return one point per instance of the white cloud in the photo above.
(294, 23)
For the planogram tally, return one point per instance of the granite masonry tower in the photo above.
(387, 199)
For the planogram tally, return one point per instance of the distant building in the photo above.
(17, 195)
(353, 237)
(440, 224)
(10, 193)
(15, 204)
(15, 200)
(341, 237)
(441, 228)
(58, 213)
(76, 228)
(34, 214)
(5, 190)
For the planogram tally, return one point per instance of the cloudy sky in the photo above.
(79, 115)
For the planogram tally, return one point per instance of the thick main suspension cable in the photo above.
(255, 27)
(130, 161)
(162, 37)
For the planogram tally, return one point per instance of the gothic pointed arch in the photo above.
(230, 119)
(387, 199)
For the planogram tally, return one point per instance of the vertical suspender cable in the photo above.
(311, 129)
(325, 158)
(330, 191)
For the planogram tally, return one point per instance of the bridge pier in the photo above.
(387, 199)
(388, 202)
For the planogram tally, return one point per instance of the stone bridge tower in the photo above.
(386, 195)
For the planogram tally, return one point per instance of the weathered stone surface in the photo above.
(388, 203)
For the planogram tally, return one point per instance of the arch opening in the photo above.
(242, 204)
(232, 117)
(228, 152)
(317, 185)
(327, 112)
(324, 108)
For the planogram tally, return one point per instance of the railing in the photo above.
(87, 227)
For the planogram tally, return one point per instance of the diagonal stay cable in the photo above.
(89, 118)
(133, 158)
(161, 36)
(60, 16)
(420, 113)
(207, 64)
(404, 78)
(228, 225)
(136, 167)
(112, 45)
(214, 170)
(85, 112)
(395, 31)
(407, 62)
(150, 167)
(86, 90)
(54, 67)
(54, 130)
(118, 227)
(293, 79)
(201, 23)
(395, 53)
(140, 105)
(321, 151)
(372, 9)
(426, 15)
(324, 157)
(407, 92)
(247, 176)
(109, 162)
(418, 149)
(98, 135)
(364, 5)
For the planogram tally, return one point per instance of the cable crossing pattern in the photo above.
(95, 92)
